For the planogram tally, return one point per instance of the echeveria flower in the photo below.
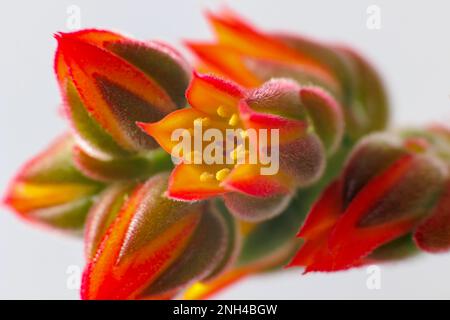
(309, 125)
(391, 186)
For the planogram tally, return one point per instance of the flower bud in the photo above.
(391, 186)
(142, 245)
(109, 82)
(49, 190)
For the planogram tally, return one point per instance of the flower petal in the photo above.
(102, 214)
(185, 182)
(388, 207)
(207, 93)
(183, 119)
(226, 61)
(232, 31)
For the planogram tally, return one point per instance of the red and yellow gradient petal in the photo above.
(162, 130)
(232, 31)
(315, 231)
(186, 183)
(93, 36)
(226, 61)
(207, 93)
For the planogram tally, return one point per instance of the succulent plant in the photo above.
(154, 229)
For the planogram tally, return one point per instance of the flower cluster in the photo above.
(160, 222)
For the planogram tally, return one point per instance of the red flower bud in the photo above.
(391, 186)
(50, 190)
(109, 82)
(142, 245)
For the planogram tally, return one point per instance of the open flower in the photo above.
(305, 121)
(250, 57)
(391, 186)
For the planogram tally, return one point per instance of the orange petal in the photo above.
(233, 31)
(350, 242)
(226, 61)
(185, 182)
(182, 119)
(207, 93)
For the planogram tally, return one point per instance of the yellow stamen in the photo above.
(222, 112)
(244, 134)
(206, 177)
(222, 174)
(233, 120)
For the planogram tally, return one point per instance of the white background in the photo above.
(411, 50)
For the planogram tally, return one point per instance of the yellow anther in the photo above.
(233, 120)
(206, 176)
(222, 112)
(222, 174)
